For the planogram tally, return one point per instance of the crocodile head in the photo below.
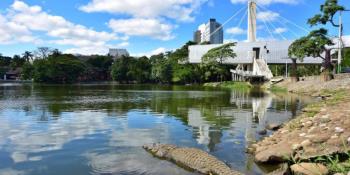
(159, 150)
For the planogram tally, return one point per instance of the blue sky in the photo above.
(144, 27)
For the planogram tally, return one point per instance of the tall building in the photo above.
(211, 32)
(197, 36)
(117, 53)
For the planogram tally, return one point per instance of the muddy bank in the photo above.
(319, 137)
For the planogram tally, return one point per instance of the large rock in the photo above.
(309, 169)
(278, 153)
(283, 170)
(273, 126)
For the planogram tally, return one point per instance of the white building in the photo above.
(118, 53)
(211, 32)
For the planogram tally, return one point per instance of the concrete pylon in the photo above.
(251, 21)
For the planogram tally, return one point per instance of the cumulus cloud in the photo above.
(175, 9)
(142, 27)
(280, 30)
(267, 2)
(267, 16)
(153, 52)
(11, 32)
(23, 20)
(235, 31)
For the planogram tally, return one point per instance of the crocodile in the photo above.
(191, 158)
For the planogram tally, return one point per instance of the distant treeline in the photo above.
(47, 65)
(51, 66)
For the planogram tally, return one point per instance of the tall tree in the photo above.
(213, 60)
(28, 56)
(43, 52)
(317, 43)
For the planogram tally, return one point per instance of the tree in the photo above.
(99, 67)
(62, 69)
(314, 45)
(27, 71)
(142, 70)
(183, 72)
(317, 43)
(121, 71)
(28, 56)
(5, 61)
(328, 10)
(162, 69)
(55, 53)
(43, 52)
(214, 58)
(17, 61)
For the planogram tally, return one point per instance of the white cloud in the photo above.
(267, 2)
(153, 52)
(235, 31)
(142, 27)
(267, 16)
(23, 20)
(175, 9)
(11, 32)
(280, 30)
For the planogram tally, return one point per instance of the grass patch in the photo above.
(230, 85)
(275, 88)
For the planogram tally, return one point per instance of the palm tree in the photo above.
(28, 56)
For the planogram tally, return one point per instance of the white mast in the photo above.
(251, 21)
(340, 42)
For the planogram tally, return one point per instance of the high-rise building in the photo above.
(211, 32)
(197, 36)
(117, 53)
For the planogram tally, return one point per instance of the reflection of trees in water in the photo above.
(216, 110)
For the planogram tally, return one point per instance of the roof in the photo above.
(278, 52)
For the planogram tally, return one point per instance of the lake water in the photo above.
(100, 129)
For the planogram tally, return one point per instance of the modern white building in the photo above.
(118, 53)
(253, 56)
(211, 32)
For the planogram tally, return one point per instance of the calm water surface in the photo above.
(99, 129)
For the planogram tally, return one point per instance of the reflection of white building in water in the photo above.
(249, 114)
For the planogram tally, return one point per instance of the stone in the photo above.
(339, 130)
(262, 132)
(282, 170)
(309, 169)
(284, 131)
(334, 137)
(296, 146)
(306, 143)
(325, 119)
(250, 150)
(308, 124)
(311, 129)
(302, 134)
(273, 126)
(320, 139)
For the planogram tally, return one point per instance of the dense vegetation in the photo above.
(51, 66)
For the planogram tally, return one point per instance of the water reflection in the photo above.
(97, 129)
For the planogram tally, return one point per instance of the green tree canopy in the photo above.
(212, 61)
(64, 68)
(312, 45)
(328, 10)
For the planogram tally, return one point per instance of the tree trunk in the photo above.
(326, 74)
(294, 71)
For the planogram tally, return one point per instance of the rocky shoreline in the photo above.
(316, 142)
